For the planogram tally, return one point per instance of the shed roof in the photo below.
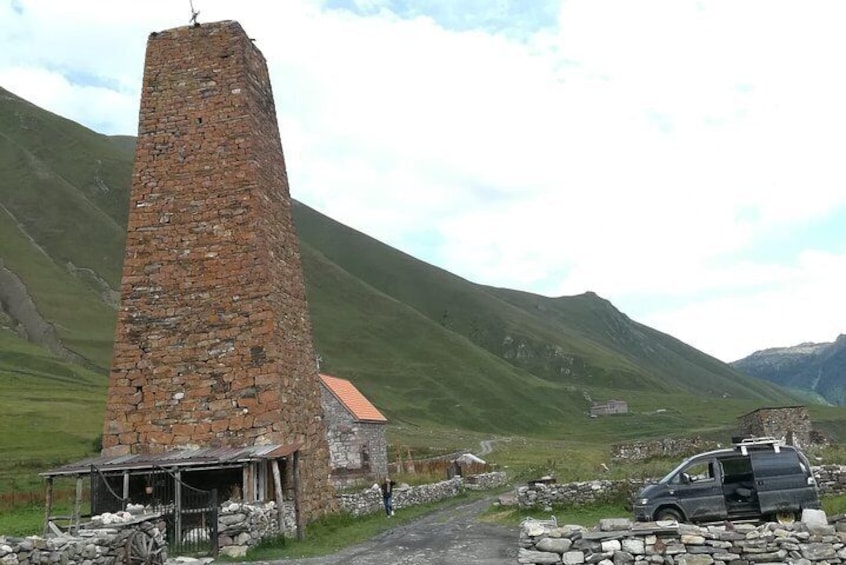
(352, 399)
(205, 457)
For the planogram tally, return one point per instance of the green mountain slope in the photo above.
(428, 347)
(814, 369)
(578, 341)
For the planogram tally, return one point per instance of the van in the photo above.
(757, 478)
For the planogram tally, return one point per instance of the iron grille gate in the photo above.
(190, 513)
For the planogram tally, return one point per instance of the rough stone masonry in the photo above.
(213, 343)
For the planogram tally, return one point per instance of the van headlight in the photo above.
(642, 501)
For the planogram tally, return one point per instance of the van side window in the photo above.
(776, 465)
(736, 469)
(697, 472)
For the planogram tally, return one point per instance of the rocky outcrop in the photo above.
(814, 367)
(18, 305)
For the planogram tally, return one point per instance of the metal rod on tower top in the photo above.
(194, 13)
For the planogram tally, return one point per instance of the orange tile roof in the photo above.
(352, 399)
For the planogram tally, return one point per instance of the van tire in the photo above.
(787, 517)
(668, 514)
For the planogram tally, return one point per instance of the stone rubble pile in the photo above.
(620, 542)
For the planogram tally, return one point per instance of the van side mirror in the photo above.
(685, 478)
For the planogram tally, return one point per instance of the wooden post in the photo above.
(177, 507)
(48, 504)
(280, 499)
(298, 515)
(125, 490)
(77, 505)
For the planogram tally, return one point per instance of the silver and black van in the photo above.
(755, 479)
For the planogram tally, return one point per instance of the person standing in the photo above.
(387, 496)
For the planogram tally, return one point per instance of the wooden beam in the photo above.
(298, 514)
(48, 504)
(280, 498)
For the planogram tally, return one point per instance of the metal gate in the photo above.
(190, 513)
(104, 492)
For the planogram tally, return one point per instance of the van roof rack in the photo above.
(745, 443)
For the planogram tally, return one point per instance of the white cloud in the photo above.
(638, 149)
(799, 304)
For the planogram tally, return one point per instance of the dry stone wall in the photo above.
(213, 341)
(242, 526)
(99, 546)
(369, 500)
(543, 495)
(831, 479)
(667, 447)
(620, 542)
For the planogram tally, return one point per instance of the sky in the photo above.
(682, 159)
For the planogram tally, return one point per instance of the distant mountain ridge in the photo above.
(425, 346)
(819, 368)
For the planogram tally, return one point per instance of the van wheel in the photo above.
(785, 517)
(668, 514)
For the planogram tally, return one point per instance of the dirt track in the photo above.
(450, 536)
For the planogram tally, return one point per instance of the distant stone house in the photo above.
(355, 428)
(790, 424)
(610, 407)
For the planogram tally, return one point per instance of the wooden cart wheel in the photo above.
(142, 549)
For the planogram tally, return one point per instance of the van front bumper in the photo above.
(642, 512)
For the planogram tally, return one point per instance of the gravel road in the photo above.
(450, 536)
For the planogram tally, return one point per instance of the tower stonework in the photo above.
(213, 344)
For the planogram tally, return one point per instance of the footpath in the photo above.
(449, 536)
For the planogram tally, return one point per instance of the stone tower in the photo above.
(213, 344)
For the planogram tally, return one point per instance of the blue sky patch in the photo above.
(514, 18)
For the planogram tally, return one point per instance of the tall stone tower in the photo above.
(213, 344)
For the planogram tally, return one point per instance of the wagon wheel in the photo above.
(141, 549)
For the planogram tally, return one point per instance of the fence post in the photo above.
(48, 503)
(77, 505)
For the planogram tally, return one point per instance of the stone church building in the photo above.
(355, 430)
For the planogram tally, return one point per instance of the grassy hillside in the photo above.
(580, 341)
(66, 186)
(435, 352)
(52, 411)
